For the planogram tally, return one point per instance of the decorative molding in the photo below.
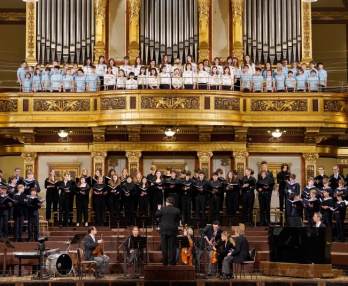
(240, 155)
(59, 105)
(133, 28)
(170, 102)
(227, 103)
(297, 105)
(113, 103)
(306, 32)
(310, 157)
(100, 29)
(334, 106)
(237, 28)
(203, 28)
(8, 105)
(30, 33)
(12, 16)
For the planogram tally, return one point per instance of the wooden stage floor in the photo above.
(120, 280)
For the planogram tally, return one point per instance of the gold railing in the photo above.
(161, 107)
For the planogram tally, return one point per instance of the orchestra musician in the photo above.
(52, 195)
(34, 203)
(186, 253)
(90, 245)
(133, 252)
(212, 236)
(222, 249)
(238, 254)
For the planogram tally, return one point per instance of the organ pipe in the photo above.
(272, 30)
(66, 31)
(168, 27)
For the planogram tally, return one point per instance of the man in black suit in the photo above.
(238, 254)
(317, 220)
(169, 217)
(90, 243)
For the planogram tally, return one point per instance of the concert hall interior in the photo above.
(173, 142)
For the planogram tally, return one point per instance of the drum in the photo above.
(59, 264)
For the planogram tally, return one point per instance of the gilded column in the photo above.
(100, 28)
(306, 31)
(30, 33)
(133, 161)
(29, 159)
(203, 27)
(204, 162)
(310, 160)
(240, 161)
(237, 28)
(133, 28)
(98, 161)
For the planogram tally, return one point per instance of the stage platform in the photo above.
(117, 280)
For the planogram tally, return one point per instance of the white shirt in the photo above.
(202, 77)
(227, 80)
(101, 69)
(214, 79)
(142, 79)
(152, 81)
(167, 68)
(92, 236)
(136, 70)
(115, 70)
(132, 84)
(189, 77)
(164, 78)
(177, 82)
(121, 82)
(109, 79)
(127, 69)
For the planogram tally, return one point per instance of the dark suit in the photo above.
(169, 221)
(89, 246)
(239, 254)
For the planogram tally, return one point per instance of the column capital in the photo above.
(310, 157)
(133, 155)
(28, 156)
(240, 155)
(99, 154)
(204, 156)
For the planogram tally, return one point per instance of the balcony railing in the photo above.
(161, 107)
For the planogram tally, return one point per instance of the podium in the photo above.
(159, 272)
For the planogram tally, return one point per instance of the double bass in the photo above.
(186, 253)
(99, 249)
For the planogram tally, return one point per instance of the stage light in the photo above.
(277, 133)
(63, 133)
(169, 132)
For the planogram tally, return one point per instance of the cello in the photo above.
(186, 252)
(99, 249)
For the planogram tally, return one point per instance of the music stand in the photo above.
(141, 245)
(6, 244)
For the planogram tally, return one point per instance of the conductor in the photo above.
(169, 217)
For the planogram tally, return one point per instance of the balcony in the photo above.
(173, 107)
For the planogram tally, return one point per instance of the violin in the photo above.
(99, 249)
(186, 252)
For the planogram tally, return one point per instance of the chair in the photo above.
(84, 267)
(239, 268)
